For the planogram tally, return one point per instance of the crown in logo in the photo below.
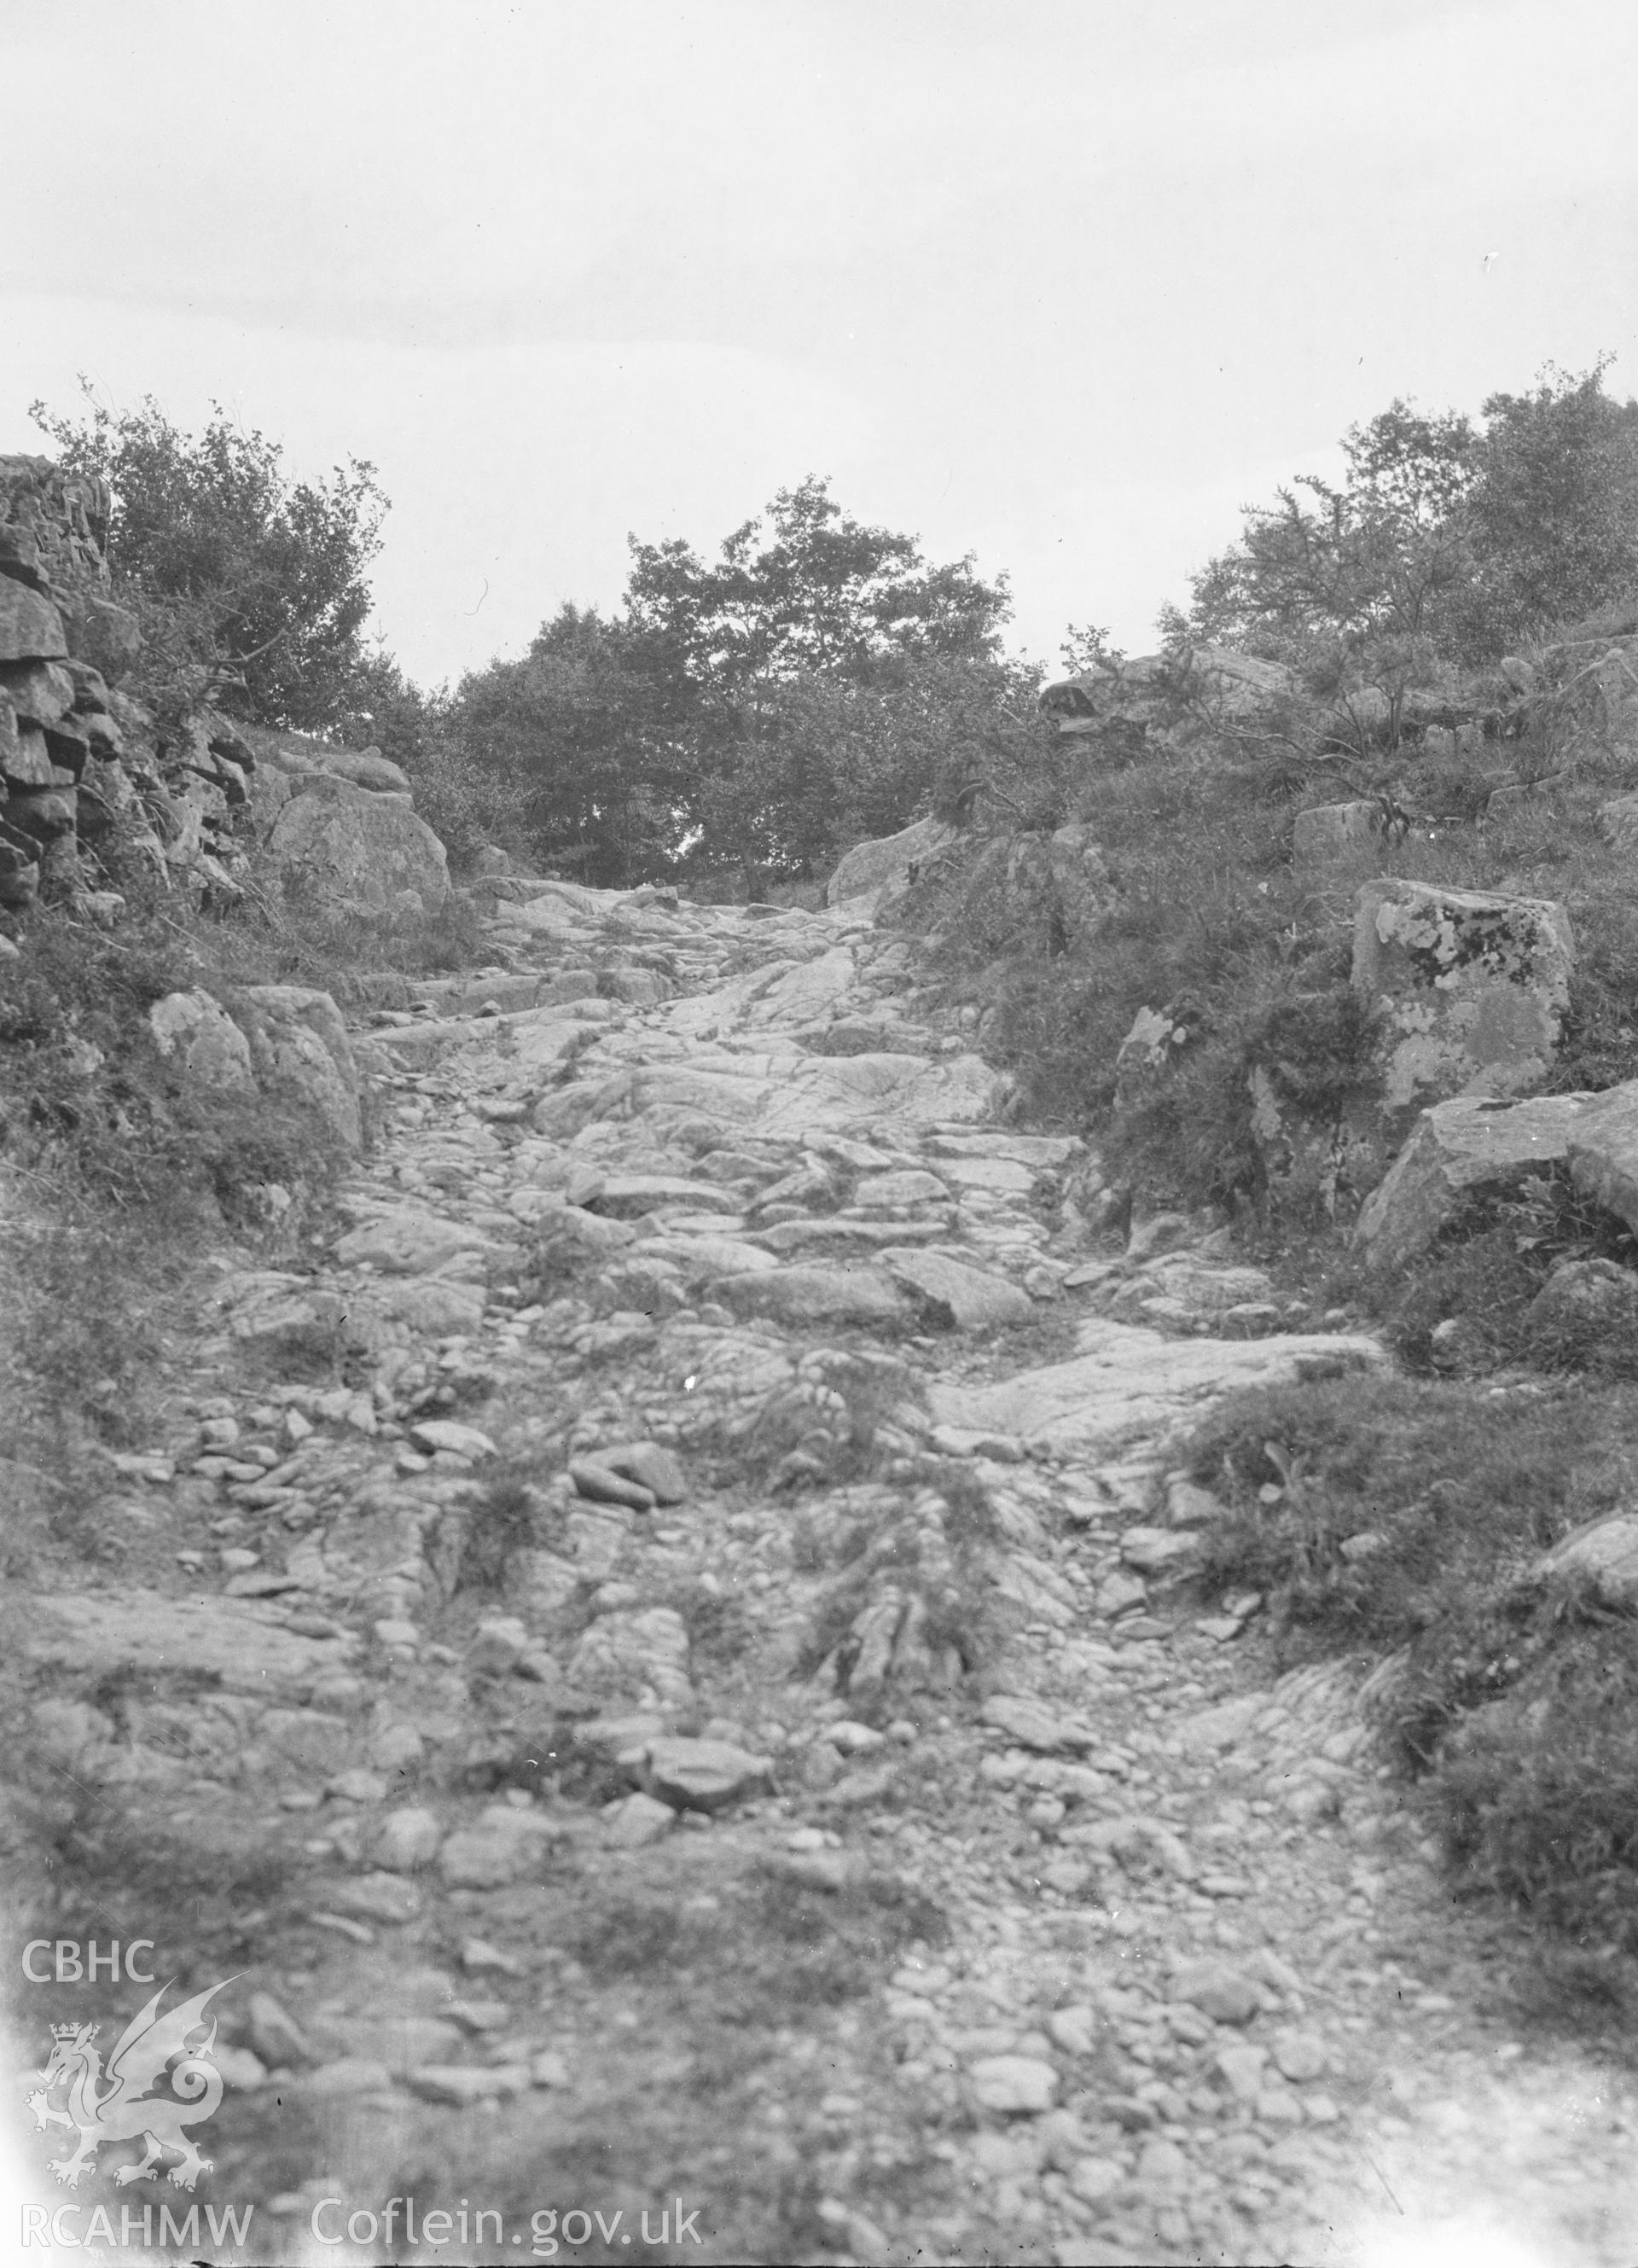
(67, 2031)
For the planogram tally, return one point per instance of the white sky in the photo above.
(1060, 282)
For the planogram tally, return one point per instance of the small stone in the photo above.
(347, 2078)
(275, 2036)
(500, 1641)
(599, 1484)
(1034, 1726)
(1117, 1593)
(638, 1821)
(1220, 1991)
(240, 2067)
(1162, 2167)
(1301, 2056)
(852, 1739)
(462, 2084)
(548, 2069)
(1241, 2066)
(480, 1956)
(396, 1636)
(651, 1465)
(1094, 2179)
(445, 1433)
(381, 1897)
(357, 1787)
(237, 1560)
(704, 1775)
(408, 1839)
(396, 1750)
(1074, 2030)
(1015, 2083)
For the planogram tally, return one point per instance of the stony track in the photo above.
(689, 1613)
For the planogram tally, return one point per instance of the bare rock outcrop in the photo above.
(887, 863)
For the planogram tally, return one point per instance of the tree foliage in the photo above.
(760, 709)
(1443, 544)
(260, 582)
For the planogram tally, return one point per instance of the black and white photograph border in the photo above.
(818, 990)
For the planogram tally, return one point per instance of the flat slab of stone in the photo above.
(841, 1091)
(971, 1298)
(1033, 1724)
(241, 1642)
(407, 1242)
(702, 1257)
(704, 1775)
(1471, 1147)
(1035, 1150)
(1129, 1382)
(835, 1294)
(628, 1196)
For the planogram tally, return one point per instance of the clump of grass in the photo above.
(504, 1519)
(720, 1629)
(777, 1949)
(1486, 1271)
(1442, 1491)
(1523, 1714)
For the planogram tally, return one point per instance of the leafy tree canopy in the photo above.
(808, 587)
(1443, 544)
(263, 581)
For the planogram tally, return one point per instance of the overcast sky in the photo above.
(1059, 285)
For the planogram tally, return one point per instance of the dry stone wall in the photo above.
(93, 785)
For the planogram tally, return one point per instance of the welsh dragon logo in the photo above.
(114, 2105)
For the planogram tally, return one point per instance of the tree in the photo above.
(592, 731)
(763, 708)
(1445, 544)
(261, 583)
(1554, 508)
(814, 648)
(1358, 584)
(826, 592)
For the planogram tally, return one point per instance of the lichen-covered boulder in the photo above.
(1471, 988)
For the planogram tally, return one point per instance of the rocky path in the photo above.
(686, 1705)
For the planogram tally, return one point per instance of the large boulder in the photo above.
(195, 1033)
(357, 850)
(1471, 988)
(1457, 1152)
(886, 862)
(1219, 685)
(299, 1050)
